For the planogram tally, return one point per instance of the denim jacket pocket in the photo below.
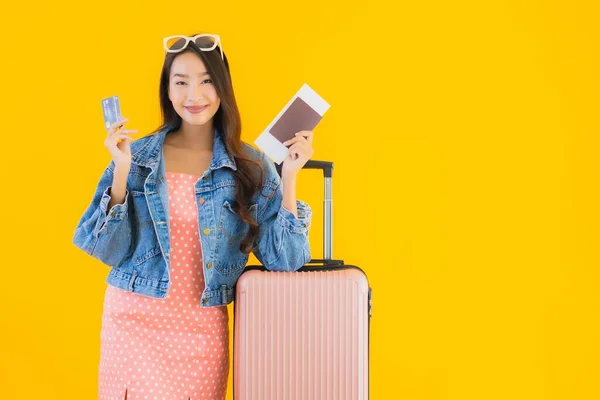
(231, 230)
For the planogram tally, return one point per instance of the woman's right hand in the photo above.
(118, 143)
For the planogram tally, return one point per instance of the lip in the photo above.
(196, 109)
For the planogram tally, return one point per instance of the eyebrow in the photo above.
(187, 76)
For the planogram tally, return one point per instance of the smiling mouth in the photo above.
(196, 109)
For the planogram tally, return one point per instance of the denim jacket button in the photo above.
(209, 265)
(204, 300)
(201, 201)
(206, 231)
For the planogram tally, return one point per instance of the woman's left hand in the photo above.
(300, 151)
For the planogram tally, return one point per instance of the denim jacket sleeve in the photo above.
(282, 243)
(101, 234)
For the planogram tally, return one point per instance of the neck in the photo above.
(194, 137)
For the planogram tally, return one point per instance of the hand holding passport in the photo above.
(302, 113)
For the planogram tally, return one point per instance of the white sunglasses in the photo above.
(204, 42)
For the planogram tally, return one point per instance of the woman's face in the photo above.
(191, 90)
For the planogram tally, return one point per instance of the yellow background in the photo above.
(465, 140)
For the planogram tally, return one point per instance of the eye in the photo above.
(177, 83)
(209, 80)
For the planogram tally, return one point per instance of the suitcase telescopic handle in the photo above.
(327, 168)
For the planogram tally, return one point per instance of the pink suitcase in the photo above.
(305, 334)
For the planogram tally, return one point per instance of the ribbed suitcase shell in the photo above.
(302, 335)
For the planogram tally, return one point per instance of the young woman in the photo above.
(176, 214)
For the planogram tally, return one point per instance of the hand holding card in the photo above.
(117, 140)
(302, 113)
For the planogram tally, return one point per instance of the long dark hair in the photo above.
(249, 174)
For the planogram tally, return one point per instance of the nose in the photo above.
(195, 93)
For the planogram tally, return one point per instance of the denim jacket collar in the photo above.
(149, 155)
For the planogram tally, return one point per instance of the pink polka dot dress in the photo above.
(169, 348)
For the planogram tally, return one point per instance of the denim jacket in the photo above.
(133, 238)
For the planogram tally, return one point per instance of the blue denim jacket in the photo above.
(133, 238)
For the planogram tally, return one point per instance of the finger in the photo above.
(123, 131)
(304, 145)
(119, 122)
(294, 152)
(125, 136)
(294, 147)
(305, 137)
(300, 152)
(291, 141)
(305, 134)
(115, 126)
(126, 139)
(300, 135)
(117, 138)
(128, 131)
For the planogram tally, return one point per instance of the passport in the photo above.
(303, 112)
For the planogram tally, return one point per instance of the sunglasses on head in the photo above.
(204, 42)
